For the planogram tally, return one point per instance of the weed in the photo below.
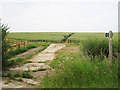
(28, 57)
(26, 75)
(14, 62)
(29, 62)
(39, 70)
(8, 81)
(20, 80)
(31, 84)
(18, 74)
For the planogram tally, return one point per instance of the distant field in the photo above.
(39, 36)
(57, 36)
(77, 37)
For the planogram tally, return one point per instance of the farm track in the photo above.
(38, 61)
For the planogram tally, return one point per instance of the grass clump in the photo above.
(29, 56)
(39, 70)
(18, 74)
(14, 62)
(8, 81)
(19, 79)
(29, 62)
(26, 75)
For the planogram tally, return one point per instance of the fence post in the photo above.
(12, 41)
(16, 41)
(18, 45)
(21, 42)
(110, 46)
(24, 43)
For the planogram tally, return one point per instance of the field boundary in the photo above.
(66, 37)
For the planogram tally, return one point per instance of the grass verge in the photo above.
(77, 71)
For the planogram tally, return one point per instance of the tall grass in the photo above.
(99, 47)
(81, 72)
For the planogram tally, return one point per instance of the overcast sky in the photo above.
(60, 15)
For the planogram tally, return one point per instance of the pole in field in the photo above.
(110, 35)
(110, 46)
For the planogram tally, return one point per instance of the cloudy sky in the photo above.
(60, 15)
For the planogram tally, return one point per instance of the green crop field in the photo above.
(39, 36)
(77, 37)
(57, 36)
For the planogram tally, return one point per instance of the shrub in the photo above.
(5, 45)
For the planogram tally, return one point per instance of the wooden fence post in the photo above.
(27, 43)
(21, 42)
(16, 41)
(110, 46)
(24, 43)
(12, 41)
(18, 45)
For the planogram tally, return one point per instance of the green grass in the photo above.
(12, 53)
(19, 80)
(39, 70)
(14, 62)
(26, 75)
(29, 56)
(99, 47)
(29, 62)
(39, 36)
(79, 37)
(18, 74)
(84, 74)
(75, 70)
